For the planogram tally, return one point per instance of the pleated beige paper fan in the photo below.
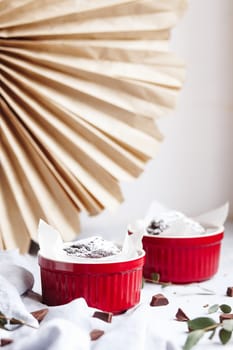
(83, 84)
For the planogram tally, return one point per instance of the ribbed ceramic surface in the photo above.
(114, 291)
(182, 260)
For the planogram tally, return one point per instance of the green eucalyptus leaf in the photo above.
(193, 339)
(227, 325)
(155, 276)
(224, 336)
(213, 308)
(200, 323)
(225, 308)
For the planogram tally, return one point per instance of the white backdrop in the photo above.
(193, 171)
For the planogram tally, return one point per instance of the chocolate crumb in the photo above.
(96, 334)
(181, 316)
(158, 300)
(104, 316)
(40, 314)
(230, 292)
(5, 341)
(206, 305)
(223, 317)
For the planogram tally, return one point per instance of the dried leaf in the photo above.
(193, 339)
(224, 336)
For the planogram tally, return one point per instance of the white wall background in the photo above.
(193, 171)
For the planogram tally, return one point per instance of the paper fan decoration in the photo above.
(83, 83)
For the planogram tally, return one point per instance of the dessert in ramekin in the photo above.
(180, 249)
(182, 259)
(106, 279)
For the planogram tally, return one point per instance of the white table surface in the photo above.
(161, 320)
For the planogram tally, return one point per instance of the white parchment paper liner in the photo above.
(211, 221)
(51, 246)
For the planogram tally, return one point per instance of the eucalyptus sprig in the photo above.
(200, 325)
(4, 320)
(155, 278)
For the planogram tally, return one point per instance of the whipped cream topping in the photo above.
(92, 247)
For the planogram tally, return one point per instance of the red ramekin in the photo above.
(182, 259)
(108, 286)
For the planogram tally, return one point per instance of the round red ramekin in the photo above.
(109, 286)
(182, 259)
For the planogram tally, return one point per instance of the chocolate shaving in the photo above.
(5, 341)
(104, 316)
(181, 316)
(223, 317)
(96, 334)
(158, 300)
(40, 314)
(230, 292)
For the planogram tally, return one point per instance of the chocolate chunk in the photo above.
(156, 227)
(5, 341)
(104, 316)
(223, 317)
(230, 292)
(96, 334)
(181, 316)
(15, 321)
(40, 314)
(158, 300)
